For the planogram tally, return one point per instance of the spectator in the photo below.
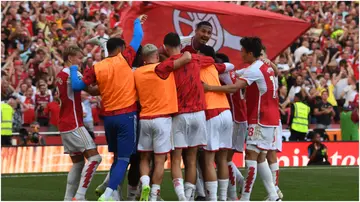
(53, 111)
(29, 102)
(350, 91)
(32, 137)
(302, 51)
(299, 119)
(284, 102)
(41, 101)
(295, 88)
(317, 152)
(6, 124)
(324, 111)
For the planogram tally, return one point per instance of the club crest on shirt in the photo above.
(269, 70)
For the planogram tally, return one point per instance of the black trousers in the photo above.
(297, 136)
(6, 140)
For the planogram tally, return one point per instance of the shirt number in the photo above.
(272, 78)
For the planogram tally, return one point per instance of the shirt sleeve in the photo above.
(226, 78)
(251, 75)
(220, 67)
(164, 69)
(129, 54)
(204, 61)
(89, 76)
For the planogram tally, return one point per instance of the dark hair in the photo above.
(114, 43)
(343, 62)
(207, 51)
(252, 45)
(206, 23)
(357, 86)
(172, 39)
(222, 57)
(299, 95)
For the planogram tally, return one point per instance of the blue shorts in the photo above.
(120, 132)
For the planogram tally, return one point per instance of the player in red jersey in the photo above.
(203, 34)
(277, 147)
(262, 101)
(238, 109)
(76, 140)
(189, 124)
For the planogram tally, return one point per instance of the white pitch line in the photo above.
(104, 172)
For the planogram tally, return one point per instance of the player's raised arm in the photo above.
(138, 32)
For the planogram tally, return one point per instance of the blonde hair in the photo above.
(71, 50)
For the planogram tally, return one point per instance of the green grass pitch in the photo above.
(297, 184)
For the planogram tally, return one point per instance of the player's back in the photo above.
(71, 114)
(237, 99)
(191, 96)
(261, 95)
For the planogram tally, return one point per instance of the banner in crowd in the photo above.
(52, 158)
(230, 23)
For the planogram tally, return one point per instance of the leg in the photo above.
(145, 158)
(223, 173)
(265, 174)
(134, 177)
(251, 156)
(210, 178)
(73, 178)
(157, 176)
(123, 133)
(93, 161)
(274, 168)
(190, 172)
(200, 190)
(176, 174)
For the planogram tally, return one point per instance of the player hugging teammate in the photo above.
(184, 109)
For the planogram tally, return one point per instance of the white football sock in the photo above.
(200, 191)
(87, 175)
(211, 190)
(251, 169)
(275, 174)
(179, 188)
(73, 180)
(189, 190)
(155, 192)
(232, 181)
(223, 185)
(145, 180)
(108, 193)
(265, 174)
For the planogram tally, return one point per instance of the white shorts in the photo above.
(155, 135)
(189, 130)
(219, 132)
(77, 141)
(278, 140)
(239, 135)
(263, 138)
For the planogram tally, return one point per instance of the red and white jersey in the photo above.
(261, 95)
(237, 100)
(71, 113)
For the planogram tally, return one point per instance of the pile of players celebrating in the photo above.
(193, 104)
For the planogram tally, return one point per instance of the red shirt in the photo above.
(17, 78)
(71, 113)
(54, 109)
(29, 25)
(190, 92)
(29, 114)
(237, 99)
(261, 96)
(42, 100)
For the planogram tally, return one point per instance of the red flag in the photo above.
(230, 23)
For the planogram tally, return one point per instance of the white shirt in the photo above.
(339, 87)
(350, 93)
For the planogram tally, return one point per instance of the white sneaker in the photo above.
(280, 194)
